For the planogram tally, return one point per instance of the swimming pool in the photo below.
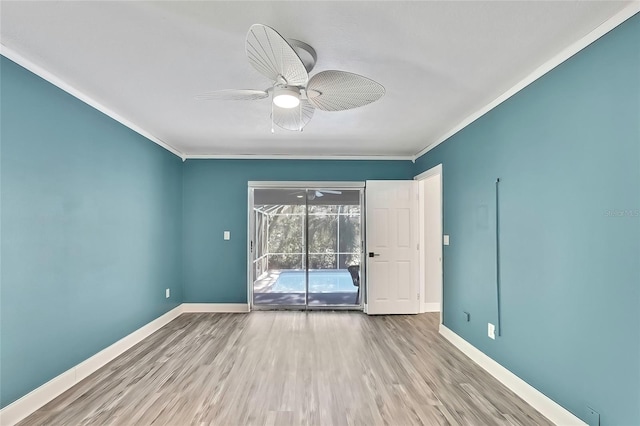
(320, 281)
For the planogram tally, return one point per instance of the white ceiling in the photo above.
(439, 62)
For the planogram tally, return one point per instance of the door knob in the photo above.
(372, 254)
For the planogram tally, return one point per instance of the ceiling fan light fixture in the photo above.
(295, 95)
(286, 97)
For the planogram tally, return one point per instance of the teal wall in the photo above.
(215, 200)
(97, 221)
(92, 228)
(91, 224)
(567, 151)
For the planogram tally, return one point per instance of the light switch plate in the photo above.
(445, 240)
(167, 293)
(227, 235)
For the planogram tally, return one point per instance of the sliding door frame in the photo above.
(253, 185)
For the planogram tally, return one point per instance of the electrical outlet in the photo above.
(491, 330)
(593, 418)
(167, 293)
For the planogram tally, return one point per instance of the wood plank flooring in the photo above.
(291, 368)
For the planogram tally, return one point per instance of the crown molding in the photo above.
(561, 57)
(16, 57)
(296, 157)
(28, 64)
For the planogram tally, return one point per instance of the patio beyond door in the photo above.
(306, 247)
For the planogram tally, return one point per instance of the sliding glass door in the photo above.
(278, 256)
(334, 246)
(306, 247)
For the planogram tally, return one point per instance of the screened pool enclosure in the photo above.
(306, 247)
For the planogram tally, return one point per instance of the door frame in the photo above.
(251, 185)
(421, 178)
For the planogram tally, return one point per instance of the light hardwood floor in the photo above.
(281, 368)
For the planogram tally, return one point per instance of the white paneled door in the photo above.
(392, 247)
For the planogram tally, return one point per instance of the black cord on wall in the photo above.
(499, 322)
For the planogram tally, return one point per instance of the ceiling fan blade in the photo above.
(293, 118)
(271, 55)
(330, 191)
(233, 95)
(339, 90)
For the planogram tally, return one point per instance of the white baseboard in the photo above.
(545, 405)
(215, 307)
(23, 407)
(431, 307)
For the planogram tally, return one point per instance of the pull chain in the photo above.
(273, 92)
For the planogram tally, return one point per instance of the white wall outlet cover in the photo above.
(227, 235)
(445, 240)
(491, 330)
(167, 293)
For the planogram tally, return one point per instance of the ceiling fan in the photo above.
(295, 96)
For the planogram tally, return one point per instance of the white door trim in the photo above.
(435, 170)
(304, 184)
(424, 306)
(250, 231)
